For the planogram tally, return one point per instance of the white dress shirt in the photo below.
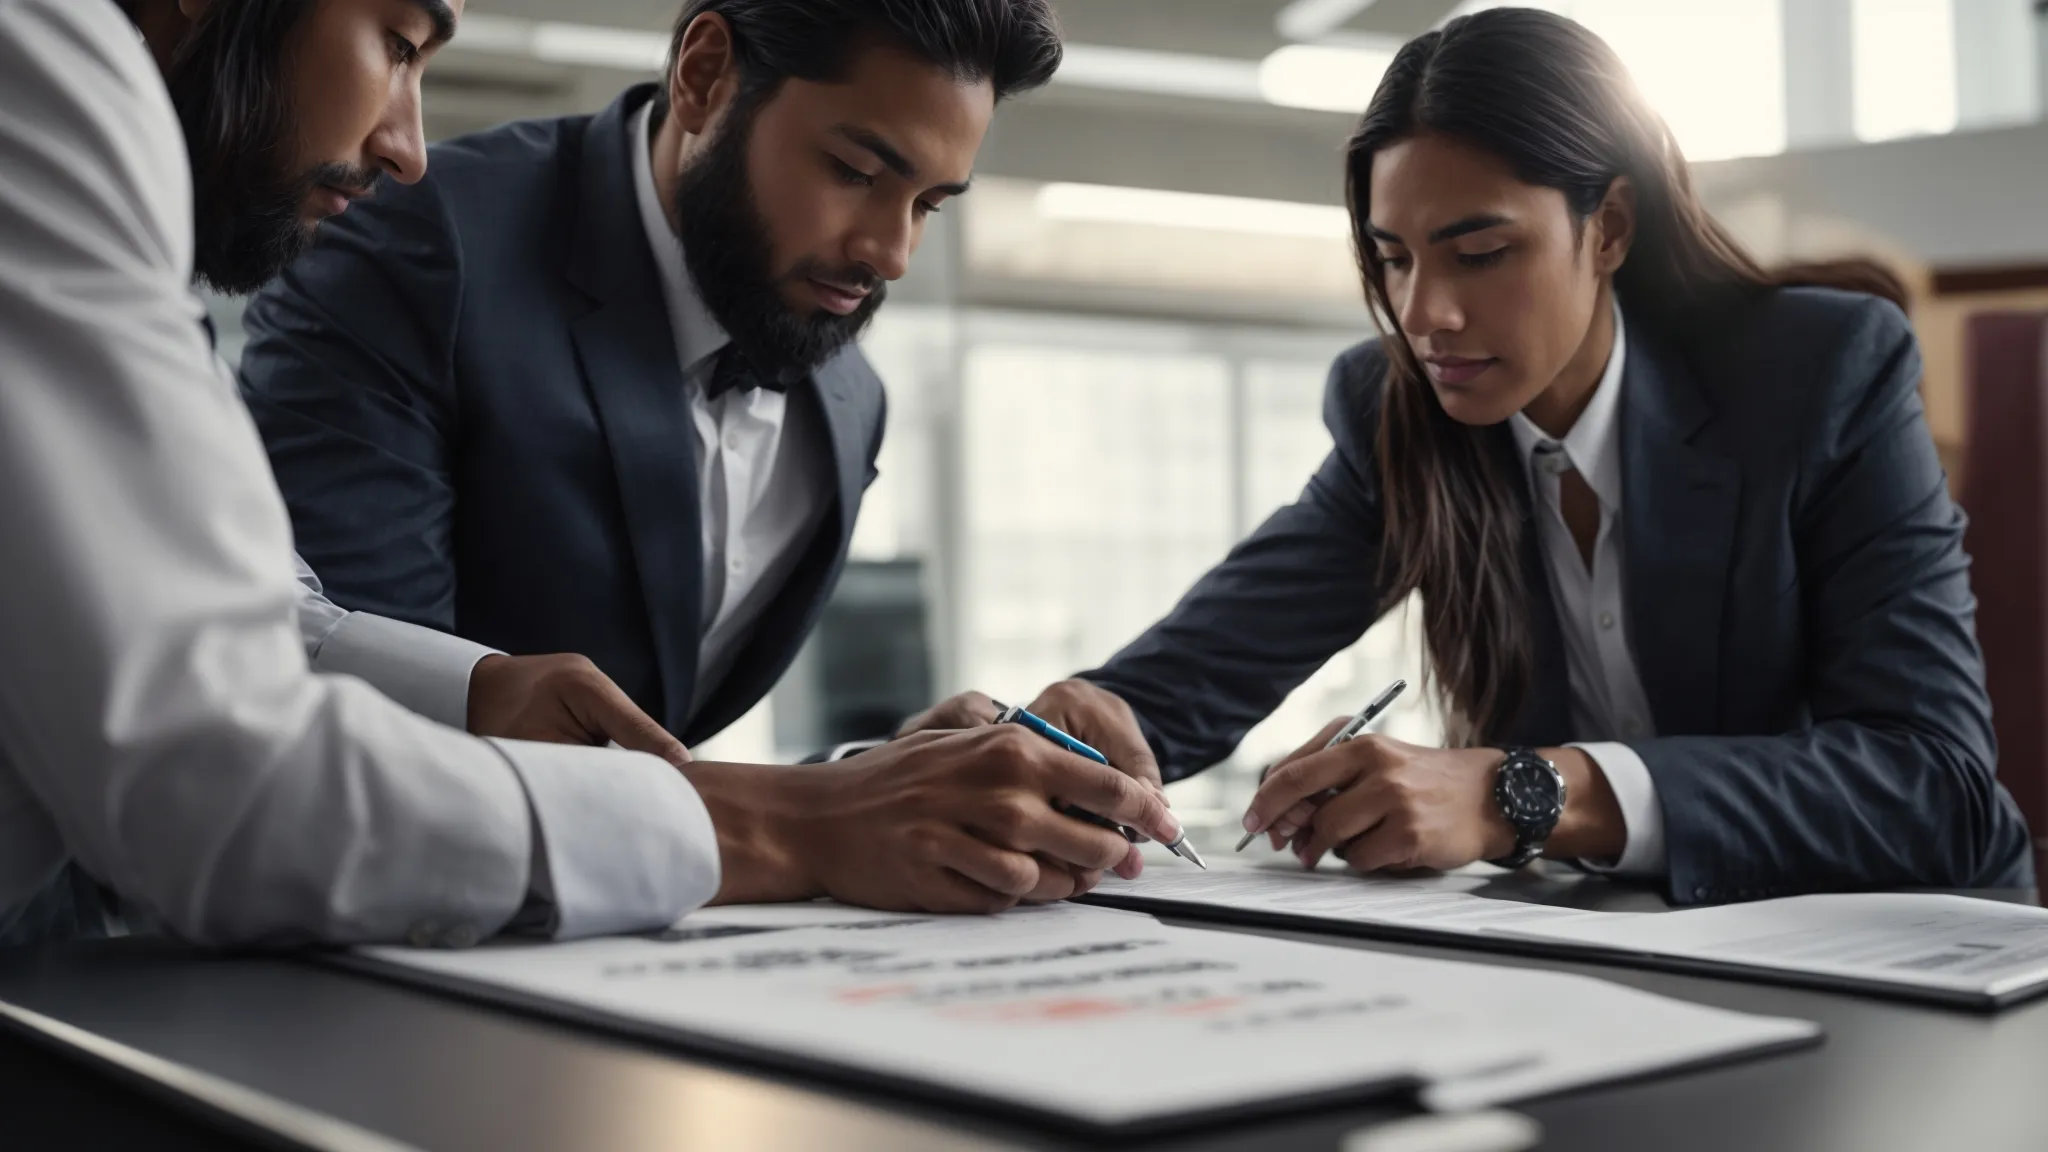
(763, 465)
(1607, 701)
(160, 722)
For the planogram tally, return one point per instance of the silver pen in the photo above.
(1350, 731)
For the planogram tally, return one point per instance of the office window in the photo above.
(1096, 489)
(911, 348)
(1905, 68)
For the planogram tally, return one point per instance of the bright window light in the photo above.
(1325, 77)
(1714, 69)
(1105, 204)
(1905, 66)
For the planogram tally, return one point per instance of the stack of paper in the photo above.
(1981, 953)
(1944, 949)
(1102, 1018)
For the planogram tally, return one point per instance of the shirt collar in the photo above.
(699, 336)
(1594, 440)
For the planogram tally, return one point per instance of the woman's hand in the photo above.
(1402, 806)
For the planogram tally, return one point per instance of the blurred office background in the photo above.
(1107, 363)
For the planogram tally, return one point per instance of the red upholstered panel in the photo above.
(2005, 492)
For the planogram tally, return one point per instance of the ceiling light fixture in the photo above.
(1165, 73)
(1324, 77)
(558, 42)
(1108, 204)
(1315, 19)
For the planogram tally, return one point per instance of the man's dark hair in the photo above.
(1014, 45)
(227, 82)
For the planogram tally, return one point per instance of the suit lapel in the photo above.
(628, 355)
(834, 392)
(839, 387)
(1679, 508)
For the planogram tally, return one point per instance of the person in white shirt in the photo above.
(186, 722)
(1692, 586)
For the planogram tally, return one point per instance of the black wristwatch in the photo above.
(1530, 793)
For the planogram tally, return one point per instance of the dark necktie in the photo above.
(734, 372)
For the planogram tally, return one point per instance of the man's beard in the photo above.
(257, 224)
(227, 82)
(731, 259)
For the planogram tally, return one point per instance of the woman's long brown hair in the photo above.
(1556, 103)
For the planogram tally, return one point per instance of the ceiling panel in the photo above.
(657, 15)
(1243, 28)
(1402, 19)
(1208, 27)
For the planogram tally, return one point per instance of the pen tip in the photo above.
(1248, 838)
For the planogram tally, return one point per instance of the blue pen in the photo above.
(1011, 715)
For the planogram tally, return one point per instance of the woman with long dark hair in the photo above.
(1693, 590)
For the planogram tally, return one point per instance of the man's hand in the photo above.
(1089, 713)
(561, 700)
(967, 710)
(1100, 719)
(934, 822)
(1401, 806)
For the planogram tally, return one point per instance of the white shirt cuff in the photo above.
(625, 843)
(425, 671)
(1636, 793)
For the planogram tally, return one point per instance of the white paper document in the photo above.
(1103, 1017)
(1955, 944)
(1950, 948)
(1439, 903)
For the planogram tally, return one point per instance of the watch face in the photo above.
(1528, 792)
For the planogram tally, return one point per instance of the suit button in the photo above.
(1606, 620)
(1702, 893)
(424, 934)
(460, 936)
(732, 442)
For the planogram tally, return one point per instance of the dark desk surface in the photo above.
(443, 1074)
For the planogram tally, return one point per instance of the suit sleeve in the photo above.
(1893, 783)
(1294, 593)
(155, 696)
(349, 374)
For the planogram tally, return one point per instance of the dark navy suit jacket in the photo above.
(471, 398)
(1798, 603)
